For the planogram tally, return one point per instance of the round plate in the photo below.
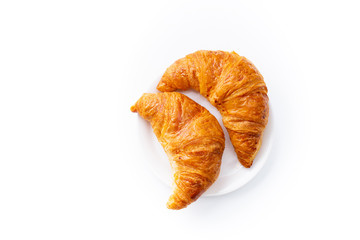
(232, 174)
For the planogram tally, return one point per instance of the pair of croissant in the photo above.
(192, 137)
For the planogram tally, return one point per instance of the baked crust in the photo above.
(192, 138)
(234, 86)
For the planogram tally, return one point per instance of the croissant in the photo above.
(191, 137)
(234, 86)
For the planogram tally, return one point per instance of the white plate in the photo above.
(232, 174)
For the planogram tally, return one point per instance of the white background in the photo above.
(70, 163)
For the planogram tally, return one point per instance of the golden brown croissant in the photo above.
(192, 138)
(234, 86)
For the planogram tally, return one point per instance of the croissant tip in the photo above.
(163, 87)
(246, 164)
(133, 108)
(160, 87)
(175, 203)
(173, 206)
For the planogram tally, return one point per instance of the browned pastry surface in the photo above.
(192, 138)
(234, 86)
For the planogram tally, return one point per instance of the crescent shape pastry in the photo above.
(191, 137)
(234, 86)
